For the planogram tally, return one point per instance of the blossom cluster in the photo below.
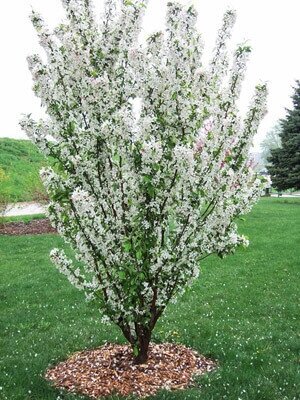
(142, 197)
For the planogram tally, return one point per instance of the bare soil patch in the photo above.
(110, 370)
(33, 227)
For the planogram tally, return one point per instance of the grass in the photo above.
(20, 163)
(21, 218)
(242, 311)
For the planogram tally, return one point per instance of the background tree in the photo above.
(272, 141)
(285, 161)
(142, 197)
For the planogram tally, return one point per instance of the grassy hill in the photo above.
(20, 162)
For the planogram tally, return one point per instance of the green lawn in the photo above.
(21, 218)
(20, 163)
(242, 311)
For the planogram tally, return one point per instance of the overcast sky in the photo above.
(271, 28)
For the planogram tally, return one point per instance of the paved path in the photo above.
(286, 195)
(15, 209)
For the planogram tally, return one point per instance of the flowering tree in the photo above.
(152, 156)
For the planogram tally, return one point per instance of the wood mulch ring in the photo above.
(33, 227)
(110, 370)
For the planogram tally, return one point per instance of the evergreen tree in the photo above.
(272, 141)
(285, 161)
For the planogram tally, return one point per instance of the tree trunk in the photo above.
(144, 333)
(144, 337)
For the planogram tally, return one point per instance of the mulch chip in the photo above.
(34, 227)
(110, 370)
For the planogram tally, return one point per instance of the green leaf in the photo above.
(139, 255)
(135, 350)
(127, 247)
(61, 196)
(151, 191)
(71, 127)
(36, 87)
(94, 73)
(122, 275)
(100, 55)
(142, 276)
(147, 178)
(116, 158)
(172, 225)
